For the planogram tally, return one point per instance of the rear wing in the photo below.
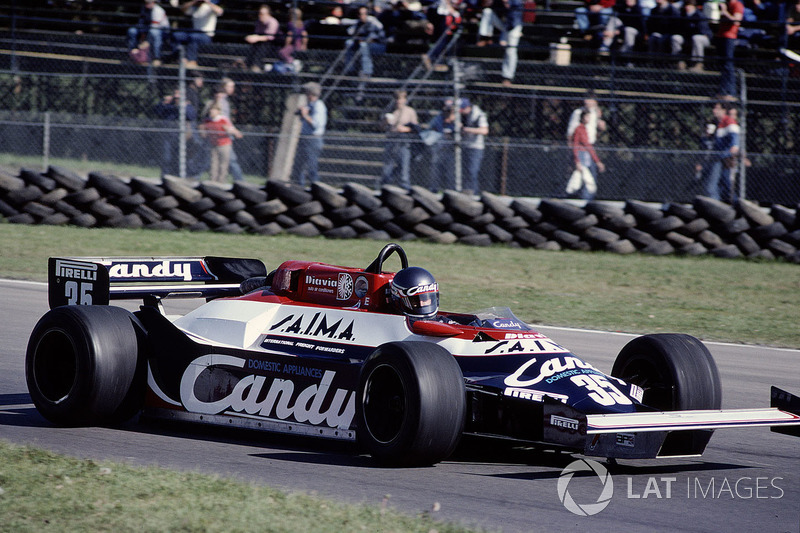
(97, 280)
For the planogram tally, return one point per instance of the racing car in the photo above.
(322, 350)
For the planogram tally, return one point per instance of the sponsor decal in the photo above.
(362, 287)
(279, 398)
(564, 422)
(551, 371)
(542, 345)
(506, 323)
(413, 291)
(324, 285)
(636, 392)
(165, 270)
(626, 439)
(533, 395)
(345, 287)
(281, 344)
(76, 270)
(532, 335)
(317, 325)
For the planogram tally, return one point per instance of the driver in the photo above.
(415, 293)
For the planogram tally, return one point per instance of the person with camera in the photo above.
(204, 15)
(314, 119)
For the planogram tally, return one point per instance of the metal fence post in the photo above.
(182, 115)
(46, 142)
(743, 136)
(457, 133)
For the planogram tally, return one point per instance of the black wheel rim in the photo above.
(384, 403)
(55, 366)
(657, 383)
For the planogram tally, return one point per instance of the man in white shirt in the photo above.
(204, 15)
(596, 122)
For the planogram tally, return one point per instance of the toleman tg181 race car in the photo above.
(322, 350)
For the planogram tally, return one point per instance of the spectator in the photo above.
(491, 19)
(505, 15)
(442, 149)
(222, 98)
(204, 15)
(661, 23)
(444, 20)
(793, 27)
(314, 118)
(219, 130)
(726, 153)
(731, 13)
(693, 28)
(366, 37)
(401, 124)
(474, 129)
(596, 122)
(627, 22)
(153, 22)
(592, 18)
(398, 19)
(194, 91)
(335, 18)
(296, 38)
(263, 39)
(583, 181)
(168, 111)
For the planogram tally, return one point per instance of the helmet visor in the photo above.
(422, 305)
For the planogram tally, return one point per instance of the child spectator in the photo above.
(218, 129)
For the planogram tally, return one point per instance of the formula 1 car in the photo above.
(320, 350)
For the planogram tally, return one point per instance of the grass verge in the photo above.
(714, 299)
(40, 490)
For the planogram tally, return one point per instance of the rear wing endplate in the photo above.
(97, 280)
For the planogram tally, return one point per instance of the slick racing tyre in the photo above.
(677, 373)
(83, 365)
(411, 404)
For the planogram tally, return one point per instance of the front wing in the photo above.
(645, 435)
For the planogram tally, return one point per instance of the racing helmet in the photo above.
(415, 292)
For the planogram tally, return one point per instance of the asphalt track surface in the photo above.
(748, 479)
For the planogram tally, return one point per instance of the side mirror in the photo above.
(432, 328)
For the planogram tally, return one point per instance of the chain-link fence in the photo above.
(73, 100)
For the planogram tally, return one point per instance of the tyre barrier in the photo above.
(704, 227)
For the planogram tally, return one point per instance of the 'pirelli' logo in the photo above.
(564, 422)
(76, 270)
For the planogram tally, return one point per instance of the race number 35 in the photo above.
(78, 293)
(601, 390)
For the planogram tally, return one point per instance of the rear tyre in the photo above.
(83, 365)
(677, 373)
(411, 404)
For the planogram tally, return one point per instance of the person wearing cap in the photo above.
(153, 22)
(442, 156)
(204, 15)
(474, 128)
(401, 124)
(314, 119)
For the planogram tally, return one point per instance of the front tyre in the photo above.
(83, 367)
(411, 404)
(677, 373)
